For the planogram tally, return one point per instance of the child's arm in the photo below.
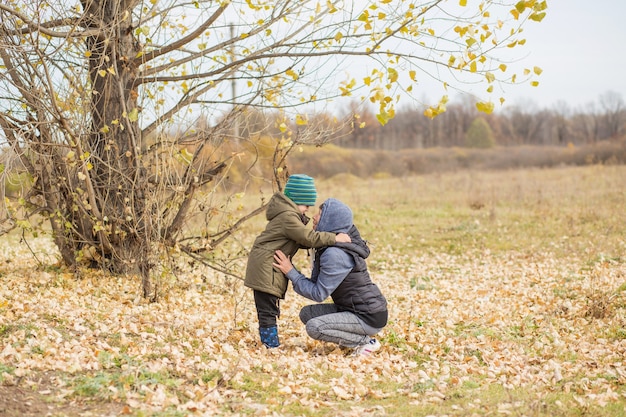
(295, 230)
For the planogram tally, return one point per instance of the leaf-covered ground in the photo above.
(478, 332)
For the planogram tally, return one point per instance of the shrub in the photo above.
(479, 135)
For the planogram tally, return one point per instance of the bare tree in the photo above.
(524, 124)
(614, 109)
(101, 102)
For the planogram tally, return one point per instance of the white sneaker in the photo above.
(372, 346)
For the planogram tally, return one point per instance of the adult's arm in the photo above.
(335, 266)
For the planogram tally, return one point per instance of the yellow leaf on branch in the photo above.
(292, 74)
(301, 120)
(486, 108)
(537, 17)
(383, 118)
(133, 115)
(434, 111)
(393, 75)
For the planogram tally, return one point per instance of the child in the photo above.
(285, 231)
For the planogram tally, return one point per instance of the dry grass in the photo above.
(506, 293)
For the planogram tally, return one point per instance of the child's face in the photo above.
(303, 209)
(316, 219)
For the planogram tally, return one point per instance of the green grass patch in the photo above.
(111, 384)
(5, 369)
(6, 329)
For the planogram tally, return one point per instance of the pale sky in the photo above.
(581, 47)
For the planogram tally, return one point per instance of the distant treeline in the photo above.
(330, 160)
(514, 126)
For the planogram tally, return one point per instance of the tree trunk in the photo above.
(116, 185)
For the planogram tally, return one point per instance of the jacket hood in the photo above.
(336, 217)
(279, 203)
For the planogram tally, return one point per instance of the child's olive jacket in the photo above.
(286, 231)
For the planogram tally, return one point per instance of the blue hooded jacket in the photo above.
(340, 271)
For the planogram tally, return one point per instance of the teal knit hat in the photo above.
(301, 190)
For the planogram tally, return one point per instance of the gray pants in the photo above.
(324, 322)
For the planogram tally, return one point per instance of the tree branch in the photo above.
(44, 27)
(182, 41)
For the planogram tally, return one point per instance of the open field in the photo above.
(507, 294)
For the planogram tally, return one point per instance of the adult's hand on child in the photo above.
(342, 238)
(282, 262)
